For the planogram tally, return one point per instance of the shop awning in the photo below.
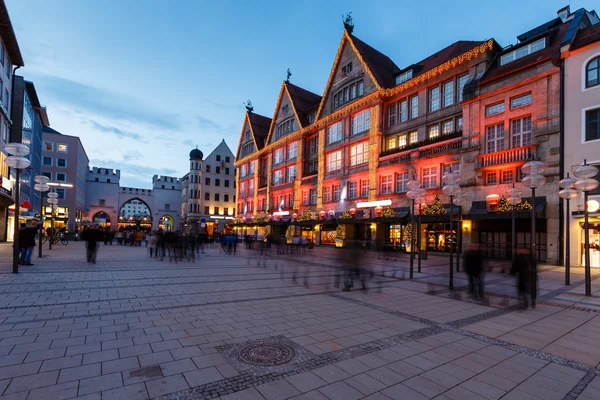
(479, 210)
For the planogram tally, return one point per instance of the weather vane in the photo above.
(348, 23)
(289, 73)
(249, 106)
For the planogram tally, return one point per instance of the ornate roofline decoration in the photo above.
(345, 38)
(273, 121)
(246, 121)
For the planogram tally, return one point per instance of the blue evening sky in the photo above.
(142, 82)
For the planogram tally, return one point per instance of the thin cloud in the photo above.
(116, 131)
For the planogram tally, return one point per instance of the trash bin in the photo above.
(424, 255)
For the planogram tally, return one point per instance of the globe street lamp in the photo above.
(53, 201)
(586, 183)
(533, 180)
(514, 198)
(451, 188)
(17, 161)
(413, 193)
(568, 192)
(41, 186)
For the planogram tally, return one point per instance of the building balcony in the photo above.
(426, 142)
(519, 155)
(438, 150)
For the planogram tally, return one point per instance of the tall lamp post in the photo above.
(53, 201)
(514, 198)
(533, 180)
(18, 162)
(41, 186)
(451, 188)
(415, 191)
(586, 183)
(568, 192)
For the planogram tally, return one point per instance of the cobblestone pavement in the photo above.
(246, 326)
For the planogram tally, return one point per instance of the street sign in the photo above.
(202, 220)
(202, 225)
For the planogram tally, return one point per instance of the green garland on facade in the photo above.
(290, 232)
(387, 212)
(267, 230)
(504, 206)
(259, 219)
(346, 215)
(340, 232)
(436, 208)
(307, 215)
(407, 233)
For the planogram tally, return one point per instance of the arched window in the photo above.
(592, 77)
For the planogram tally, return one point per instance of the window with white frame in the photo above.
(523, 51)
(334, 161)
(326, 194)
(61, 162)
(251, 167)
(495, 138)
(592, 124)
(48, 146)
(243, 188)
(250, 186)
(462, 81)
(447, 127)
(61, 193)
(450, 167)
(278, 156)
(403, 113)
(352, 190)
(434, 99)
(392, 113)
(292, 150)
(392, 143)
(414, 106)
(364, 188)
(385, 184)
(448, 93)
(459, 124)
(494, 109)
(305, 197)
(490, 178)
(403, 77)
(337, 192)
(402, 140)
(61, 148)
(313, 145)
(290, 174)
(313, 196)
(243, 170)
(61, 177)
(401, 182)
(520, 131)
(520, 101)
(334, 132)
(433, 131)
(277, 178)
(414, 137)
(47, 161)
(506, 176)
(592, 76)
(359, 153)
(361, 121)
(429, 177)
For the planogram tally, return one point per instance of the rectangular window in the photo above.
(278, 156)
(227, 159)
(490, 178)
(448, 93)
(313, 145)
(520, 131)
(277, 177)
(326, 194)
(226, 171)
(360, 88)
(334, 132)
(429, 177)
(401, 182)
(61, 162)
(403, 77)
(207, 195)
(520, 101)
(250, 185)
(592, 124)
(290, 173)
(434, 99)
(243, 170)
(48, 174)
(391, 143)
(459, 124)
(414, 106)
(61, 148)
(218, 170)
(218, 157)
(47, 161)
(414, 137)
(434, 131)
(226, 211)
(61, 177)
(359, 153)
(392, 112)
(251, 167)
(364, 188)
(48, 146)
(494, 109)
(313, 196)
(450, 167)
(352, 190)
(208, 168)
(506, 176)
(226, 197)
(523, 51)
(462, 81)
(334, 161)
(447, 127)
(61, 193)
(361, 122)
(403, 110)
(292, 150)
(217, 182)
(205, 210)
(216, 210)
(337, 192)
(495, 138)
(385, 184)
(207, 181)
(217, 197)
(402, 141)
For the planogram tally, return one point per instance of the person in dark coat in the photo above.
(92, 236)
(473, 261)
(27, 243)
(521, 267)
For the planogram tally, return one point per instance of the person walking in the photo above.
(473, 261)
(521, 267)
(92, 236)
(27, 243)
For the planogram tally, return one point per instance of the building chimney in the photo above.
(564, 13)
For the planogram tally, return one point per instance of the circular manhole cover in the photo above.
(266, 354)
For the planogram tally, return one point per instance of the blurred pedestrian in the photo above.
(473, 261)
(27, 243)
(521, 267)
(92, 236)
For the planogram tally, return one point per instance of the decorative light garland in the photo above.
(340, 232)
(308, 215)
(289, 233)
(387, 212)
(504, 206)
(436, 208)
(273, 121)
(373, 152)
(346, 215)
(320, 167)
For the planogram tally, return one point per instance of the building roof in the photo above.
(539, 30)
(47, 129)
(196, 154)
(260, 126)
(587, 36)
(303, 101)
(33, 97)
(382, 67)
(8, 37)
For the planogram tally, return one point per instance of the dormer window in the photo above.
(523, 51)
(403, 77)
(347, 94)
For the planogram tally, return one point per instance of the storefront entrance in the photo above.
(594, 232)
(438, 237)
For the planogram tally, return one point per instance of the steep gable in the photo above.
(253, 134)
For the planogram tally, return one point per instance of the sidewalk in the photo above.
(250, 327)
